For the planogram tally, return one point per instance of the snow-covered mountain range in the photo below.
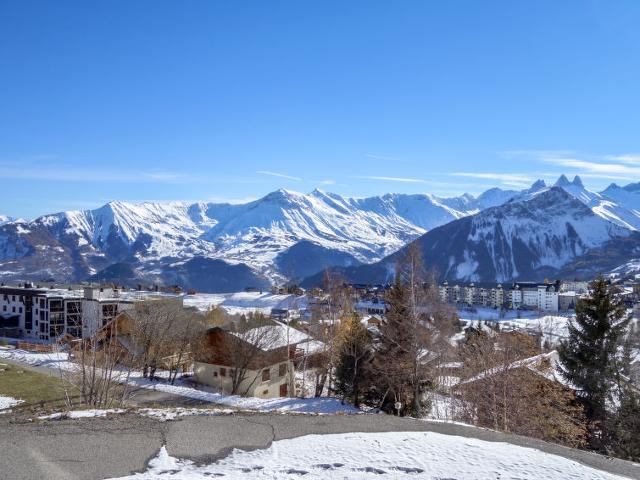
(284, 234)
(225, 247)
(560, 230)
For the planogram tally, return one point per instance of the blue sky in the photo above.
(211, 100)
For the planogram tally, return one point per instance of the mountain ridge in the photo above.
(548, 233)
(282, 236)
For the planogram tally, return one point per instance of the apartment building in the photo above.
(37, 313)
(539, 296)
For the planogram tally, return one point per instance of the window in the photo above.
(223, 372)
(266, 375)
(282, 369)
(13, 298)
(13, 309)
(20, 310)
(215, 374)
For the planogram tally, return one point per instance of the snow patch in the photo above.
(8, 402)
(424, 455)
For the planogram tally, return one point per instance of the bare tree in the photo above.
(101, 370)
(153, 328)
(336, 302)
(181, 342)
(216, 316)
(245, 348)
(508, 386)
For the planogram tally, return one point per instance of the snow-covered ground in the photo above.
(161, 414)
(488, 313)
(89, 413)
(60, 361)
(424, 455)
(7, 402)
(244, 302)
(553, 328)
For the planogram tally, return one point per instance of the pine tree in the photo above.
(625, 434)
(353, 345)
(404, 337)
(393, 360)
(590, 356)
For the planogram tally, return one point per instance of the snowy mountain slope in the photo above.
(494, 197)
(288, 235)
(620, 205)
(366, 229)
(169, 242)
(522, 239)
(163, 229)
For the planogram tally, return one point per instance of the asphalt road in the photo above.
(122, 444)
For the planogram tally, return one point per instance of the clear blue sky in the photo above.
(211, 100)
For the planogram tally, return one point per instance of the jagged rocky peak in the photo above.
(538, 185)
(562, 181)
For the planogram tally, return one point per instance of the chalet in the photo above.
(268, 355)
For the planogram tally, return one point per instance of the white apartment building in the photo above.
(36, 313)
(539, 296)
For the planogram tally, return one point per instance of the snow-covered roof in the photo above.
(535, 364)
(271, 337)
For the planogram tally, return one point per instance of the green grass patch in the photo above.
(39, 391)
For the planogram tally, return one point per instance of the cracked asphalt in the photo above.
(98, 448)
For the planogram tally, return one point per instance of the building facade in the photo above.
(45, 314)
(519, 295)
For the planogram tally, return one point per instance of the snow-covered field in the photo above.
(424, 455)
(488, 313)
(60, 361)
(553, 328)
(244, 302)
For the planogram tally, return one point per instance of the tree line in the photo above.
(581, 395)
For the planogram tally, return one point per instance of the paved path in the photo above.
(122, 444)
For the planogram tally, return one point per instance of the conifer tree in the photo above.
(404, 336)
(625, 433)
(590, 357)
(353, 345)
